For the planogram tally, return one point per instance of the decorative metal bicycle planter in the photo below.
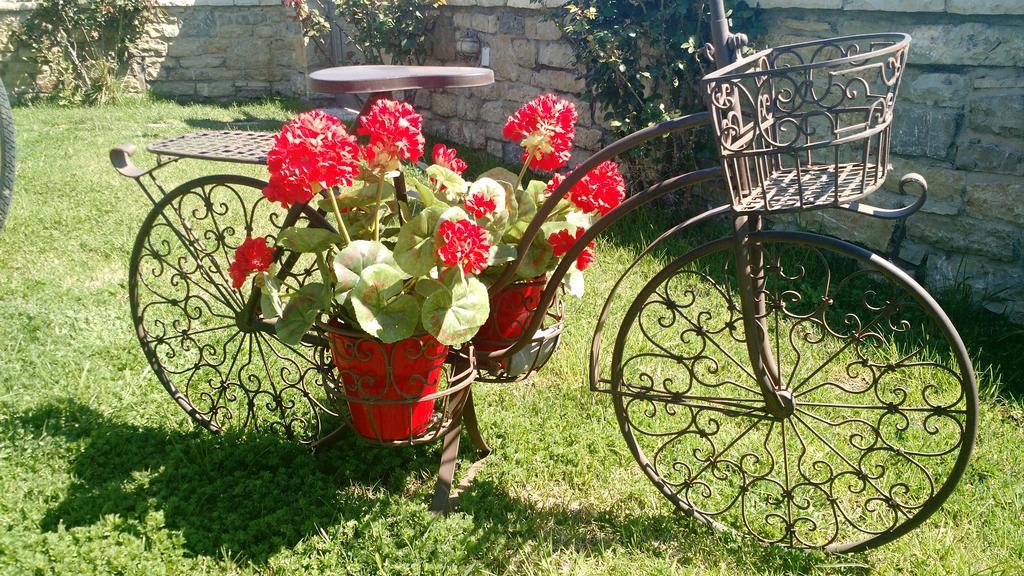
(783, 384)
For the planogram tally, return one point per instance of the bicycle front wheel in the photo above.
(884, 398)
(6, 155)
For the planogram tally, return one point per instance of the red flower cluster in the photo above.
(445, 156)
(562, 241)
(464, 243)
(396, 133)
(479, 204)
(601, 190)
(252, 256)
(313, 147)
(545, 127)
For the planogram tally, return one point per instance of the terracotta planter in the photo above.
(512, 310)
(384, 382)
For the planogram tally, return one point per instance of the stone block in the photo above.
(556, 55)
(990, 153)
(873, 233)
(945, 185)
(495, 148)
(925, 131)
(525, 52)
(215, 89)
(995, 196)
(511, 24)
(996, 7)
(206, 61)
(890, 6)
(462, 19)
(964, 235)
(997, 111)
(963, 44)
(443, 104)
(468, 107)
(174, 88)
(934, 88)
(588, 138)
(560, 80)
(487, 23)
(825, 4)
(539, 28)
(198, 23)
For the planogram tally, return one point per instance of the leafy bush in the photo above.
(642, 67)
(86, 48)
(397, 29)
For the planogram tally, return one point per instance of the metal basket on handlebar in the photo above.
(807, 125)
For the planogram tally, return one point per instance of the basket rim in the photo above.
(901, 41)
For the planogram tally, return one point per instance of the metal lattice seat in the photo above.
(218, 145)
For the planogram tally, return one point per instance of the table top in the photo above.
(382, 78)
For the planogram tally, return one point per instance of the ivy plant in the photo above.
(642, 62)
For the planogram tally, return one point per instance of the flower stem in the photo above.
(522, 172)
(337, 214)
(376, 214)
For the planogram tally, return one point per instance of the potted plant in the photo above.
(545, 128)
(398, 279)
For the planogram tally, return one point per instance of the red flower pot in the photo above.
(512, 310)
(383, 382)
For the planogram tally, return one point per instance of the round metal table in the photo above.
(379, 81)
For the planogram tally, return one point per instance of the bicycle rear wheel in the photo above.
(885, 403)
(7, 154)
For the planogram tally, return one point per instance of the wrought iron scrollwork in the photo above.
(884, 396)
(201, 340)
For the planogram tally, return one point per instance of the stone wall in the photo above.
(960, 120)
(528, 57)
(199, 49)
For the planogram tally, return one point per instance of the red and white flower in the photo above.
(563, 240)
(601, 190)
(486, 196)
(396, 134)
(464, 243)
(312, 151)
(445, 156)
(545, 128)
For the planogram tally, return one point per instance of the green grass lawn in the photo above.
(101, 473)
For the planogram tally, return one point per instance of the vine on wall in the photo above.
(86, 48)
(642, 63)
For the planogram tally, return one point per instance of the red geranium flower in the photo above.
(601, 190)
(479, 204)
(252, 256)
(562, 241)
(555, 182)
(396, 133)
(464, 243)
(445, 156)
(312, 148)
(545, 127)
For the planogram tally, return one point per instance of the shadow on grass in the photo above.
(552, 528)
(251, 496)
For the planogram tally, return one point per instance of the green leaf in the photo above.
(537, 259)
(453, 187)
(526, 209)
(381, 309)
(307, 239)
(503, 253)
(271, 305)
(414, 249)
(300, 313)
(456, 312)
(350, 262)
(360, 195)
(500, 174)
(425, 193)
